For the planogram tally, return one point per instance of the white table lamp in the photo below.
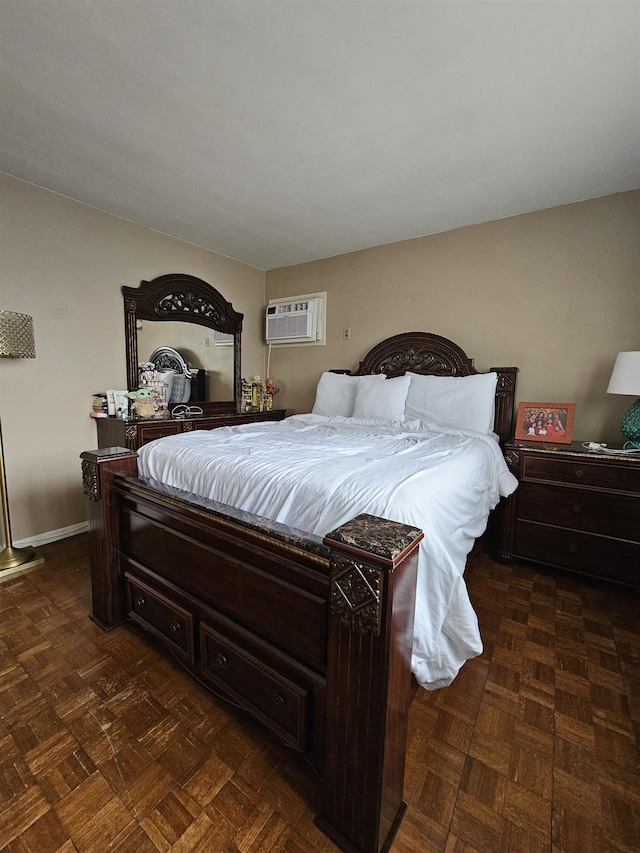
(625, 379)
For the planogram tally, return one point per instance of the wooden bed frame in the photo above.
(311, 636)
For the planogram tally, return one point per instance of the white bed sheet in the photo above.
(315, 473)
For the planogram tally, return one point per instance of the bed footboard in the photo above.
(311, 636)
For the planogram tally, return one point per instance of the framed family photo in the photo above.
(551, 422)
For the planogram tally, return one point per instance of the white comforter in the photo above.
(315, 473)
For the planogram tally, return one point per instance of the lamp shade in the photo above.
(625, 378)
(16, 335)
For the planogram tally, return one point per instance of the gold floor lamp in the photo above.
(16, 341)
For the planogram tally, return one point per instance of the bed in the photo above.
(317, 609)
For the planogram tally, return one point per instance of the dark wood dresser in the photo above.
(132, 434)
(574, 509)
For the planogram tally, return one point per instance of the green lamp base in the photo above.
(630, 427)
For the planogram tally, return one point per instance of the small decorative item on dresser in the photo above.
(257, 394)
(99, 406)
(148, 403)
(551, 422)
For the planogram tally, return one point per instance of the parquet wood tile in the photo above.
(106, 744)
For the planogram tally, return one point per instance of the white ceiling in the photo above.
(281, 131)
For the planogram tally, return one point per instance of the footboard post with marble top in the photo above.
(373, 577)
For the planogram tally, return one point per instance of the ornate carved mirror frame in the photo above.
(188, 299)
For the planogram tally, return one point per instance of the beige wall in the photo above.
(64, 263)
(556, 293)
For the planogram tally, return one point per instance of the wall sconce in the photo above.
(625, 379)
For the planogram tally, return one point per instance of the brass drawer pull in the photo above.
(176, 626)
(579, 473)
(576, 509)
(279, 701)
(140, 601)
(221, 661)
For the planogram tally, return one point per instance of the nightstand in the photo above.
(573, 509)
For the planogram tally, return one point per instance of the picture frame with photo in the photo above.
(550, 422)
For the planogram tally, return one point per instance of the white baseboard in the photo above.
(53, 535)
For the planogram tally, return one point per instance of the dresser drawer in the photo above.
(580, 509)
(599, 556)
(590, 474)
(149, 432)
(279, 703)
(162, 617)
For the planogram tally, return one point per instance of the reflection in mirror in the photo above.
(185, 313)
(199, 348)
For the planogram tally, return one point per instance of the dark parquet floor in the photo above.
(107, 745)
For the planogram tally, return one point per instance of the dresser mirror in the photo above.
(186, 314)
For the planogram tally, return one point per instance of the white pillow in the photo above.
(181, 389)
(462, 402)
(336, 393)
(384, 402)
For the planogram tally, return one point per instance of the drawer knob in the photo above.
(279, 701)
(579, 473)
(221, 661)
(176, 626)
(140, 601)
(576, 509)
(573, 548)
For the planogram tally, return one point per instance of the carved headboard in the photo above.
(426, 353)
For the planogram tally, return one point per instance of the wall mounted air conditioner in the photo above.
(298, 320)
(222, 339)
